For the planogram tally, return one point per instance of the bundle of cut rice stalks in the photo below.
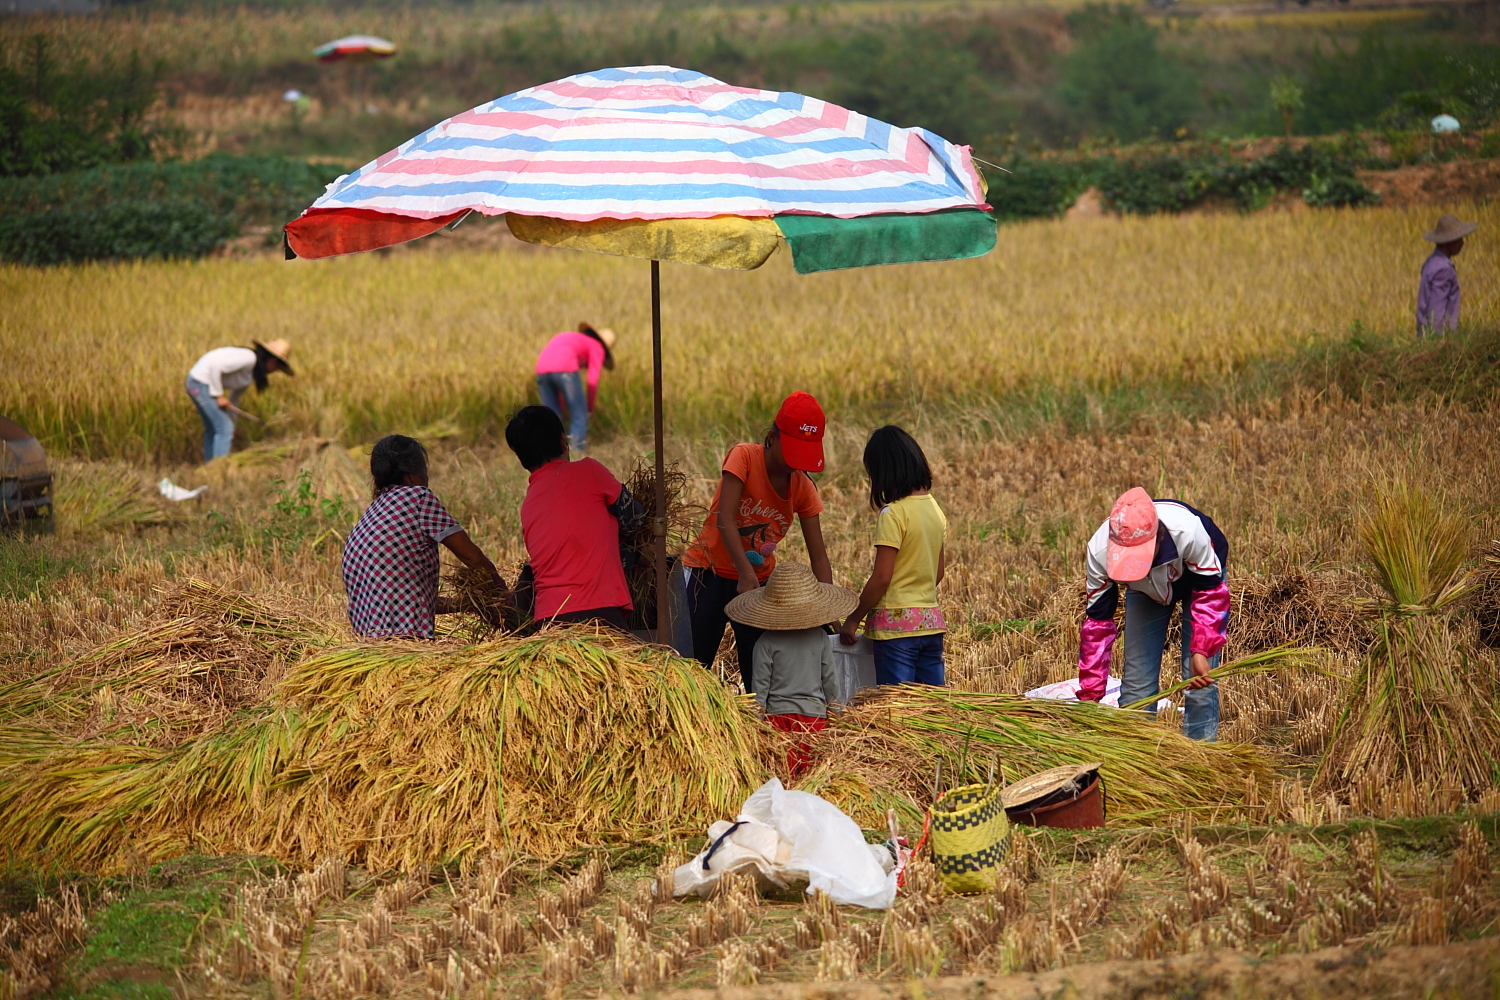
(207, 653)
(884, 752)
(1420, 706)
(683, 520)
(400, 754)
(485, 609)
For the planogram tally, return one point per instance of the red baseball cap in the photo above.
(1132, 536)
(801, 423)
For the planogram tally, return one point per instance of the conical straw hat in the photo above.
(793, 598)
(1449, 228)
(280, 350)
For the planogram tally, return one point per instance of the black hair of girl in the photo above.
(393, 458)
(589, 331)
(896, 466)
(259, 372)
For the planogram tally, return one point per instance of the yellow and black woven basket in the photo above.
(970, 836)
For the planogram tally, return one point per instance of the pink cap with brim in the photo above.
(1132, 536)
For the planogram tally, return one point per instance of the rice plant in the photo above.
(92, 359)
(1413, 711)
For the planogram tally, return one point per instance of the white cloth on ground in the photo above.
(789, 838)
(1068, 691)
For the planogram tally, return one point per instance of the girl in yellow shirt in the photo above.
(900, 598)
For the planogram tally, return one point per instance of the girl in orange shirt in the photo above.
(761, 488)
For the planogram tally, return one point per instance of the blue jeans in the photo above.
(218, 423)
(564, 391)
(912, 658)
(1145, 643)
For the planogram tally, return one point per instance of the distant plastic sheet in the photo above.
(1068, 691)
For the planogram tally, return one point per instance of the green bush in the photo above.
(1337, 192)
(253, 189)
(1384, 81)
(1324, 175)
(58, 118)
(150, 209)
(1117, 81)
(122, 230)
(1036, 188)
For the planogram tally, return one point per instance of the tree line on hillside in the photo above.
(82, 142)
(1099, 73)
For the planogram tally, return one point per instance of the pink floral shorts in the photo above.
(907, 620)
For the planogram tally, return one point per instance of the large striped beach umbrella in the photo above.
(668, 165)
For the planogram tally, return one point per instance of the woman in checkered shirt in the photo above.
(391, 557)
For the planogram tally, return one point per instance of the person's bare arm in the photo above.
(875, 588)
(817, 552)
(731, 488)
(462, 546)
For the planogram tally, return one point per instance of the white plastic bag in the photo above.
(790, 838)
(172, 491)
(1068, 691)
(853, 666)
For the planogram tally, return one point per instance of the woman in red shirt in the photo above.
(573, 518)
(761, 488)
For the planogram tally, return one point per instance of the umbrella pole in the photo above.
(659, 525)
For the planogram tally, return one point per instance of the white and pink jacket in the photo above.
(1189, 567)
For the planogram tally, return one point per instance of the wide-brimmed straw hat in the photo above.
(793, 598)
(607, 336)
(1448, 229)
(278, 349)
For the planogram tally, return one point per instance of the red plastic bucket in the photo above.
(1082, 811)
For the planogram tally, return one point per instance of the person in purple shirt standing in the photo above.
(560, 382)
(1437, 295)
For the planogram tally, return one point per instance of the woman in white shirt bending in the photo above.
(221, 377)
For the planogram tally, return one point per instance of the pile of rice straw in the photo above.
(1294, 610)
(883, 753)
(202, 732)
(207, 653)
(395, 755)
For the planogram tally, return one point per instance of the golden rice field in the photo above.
(92, 358)
(1077, 360)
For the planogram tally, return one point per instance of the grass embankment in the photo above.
(1088, 323)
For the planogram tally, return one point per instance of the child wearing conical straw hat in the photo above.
(792, 666)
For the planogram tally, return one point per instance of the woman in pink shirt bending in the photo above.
(559, 379)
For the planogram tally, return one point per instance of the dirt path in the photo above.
(1458, 970)
(1436, 184)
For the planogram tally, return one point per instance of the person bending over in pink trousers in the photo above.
(1166, 554)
